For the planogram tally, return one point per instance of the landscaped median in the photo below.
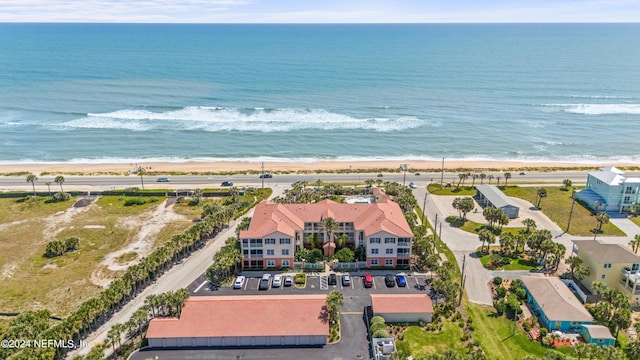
(494, 259)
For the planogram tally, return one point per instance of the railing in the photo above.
(308, 266)
(404, 243)
(404, 255)
(350, 265)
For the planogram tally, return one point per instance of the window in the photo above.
(603, 276)
(285, 252)
(270, 241)
(374, 251)
(271, 263)
(627, 199)
(607, 266)
(389, 240)
(245, 242)
(374, 262)
(635, 266)
(374, 241)
(270, 252)
(285, 241)
(285, 263)
(389, 251)
(388, 262)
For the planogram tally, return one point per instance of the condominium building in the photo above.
(277, 231)
(609, 190)
(613, 264)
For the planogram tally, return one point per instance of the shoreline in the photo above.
(360, 166)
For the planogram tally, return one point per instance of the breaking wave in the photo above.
(598, 109)
(216, 119)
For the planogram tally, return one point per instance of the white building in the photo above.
(610, 190)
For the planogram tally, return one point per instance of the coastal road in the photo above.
(97, 183)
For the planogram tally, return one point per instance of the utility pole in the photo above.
(262, 175)
(404, 178)
(424, 210)
(442, 174)
(573, 201)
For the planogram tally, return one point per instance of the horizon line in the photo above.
(329, 23)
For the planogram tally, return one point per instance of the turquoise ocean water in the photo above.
(127, 92)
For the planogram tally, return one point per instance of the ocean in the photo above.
(92, 93)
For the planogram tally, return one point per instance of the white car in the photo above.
(413, 186)
(277, 281)
(239, 283)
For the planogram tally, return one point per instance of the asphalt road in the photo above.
(178, 182)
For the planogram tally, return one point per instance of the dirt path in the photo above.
(149, 224)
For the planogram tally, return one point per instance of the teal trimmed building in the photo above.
(597, 334)
(555, 305)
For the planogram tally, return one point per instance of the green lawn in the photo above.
(635, 219)
(516, 264)
(557, 206)
(422, 342)
(495, 336)
(474, 228)
(453, 190)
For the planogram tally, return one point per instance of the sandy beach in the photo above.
(276, 167)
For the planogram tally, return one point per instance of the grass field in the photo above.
(635, 219)
(422, 342)
(474, 228)
(516, 264)
(496, 337)
(452, 190)
(32, 281)
(557, 206)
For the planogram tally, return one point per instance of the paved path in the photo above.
(179, 276)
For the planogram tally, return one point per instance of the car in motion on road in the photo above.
(265, 282)
(163, 179)
(277, 281)
(390, 280)
(227, 183)
(401, 280)
(333, 279)
(239, 283)
(266, 176)
(413, 186)
(380, 175)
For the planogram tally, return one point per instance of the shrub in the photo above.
(526, 326)
(544, 332)
(60, 196)
(71, 244)
(500, 292)
(55, 248)
(300, 279)
(135, 201)
(153, 199)
(500, 306)
(376, 327)
(377, 320)
(380, 334)
(497, 280)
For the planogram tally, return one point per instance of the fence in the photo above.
(350, 265)
(576, 289)
(301, 265)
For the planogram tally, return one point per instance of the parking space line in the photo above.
(417, 283)
(246, 283)
(201, 285)
(373, 279)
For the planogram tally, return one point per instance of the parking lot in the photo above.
(315, 284)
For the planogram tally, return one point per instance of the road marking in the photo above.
(373, 279)
(417, 283)
(246, 283)
(201, 285)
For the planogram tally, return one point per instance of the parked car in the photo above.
(266, 176)
(227, 183)
(368, 280)
(346, 280)
(288, 280)
(401, 280)
(265, 282)
(277, 281)
(163, 179)
(390, 280)
(239, 283)
(333, 279)
(413, 186)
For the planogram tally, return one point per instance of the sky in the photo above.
(319, 11)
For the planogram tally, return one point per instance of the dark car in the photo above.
(379, 175)
(522, 173)
(333, 279)
(390, 280)
(265, 282)
(266, 176)
(401, 280)
(227, 183)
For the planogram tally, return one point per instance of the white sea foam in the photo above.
(230, 119)
(598, 109)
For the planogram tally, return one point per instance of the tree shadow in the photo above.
(324, 315)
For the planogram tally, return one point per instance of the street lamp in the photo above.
(404, 168)
(573, 202)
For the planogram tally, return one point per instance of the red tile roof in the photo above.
(384, 215)
(255, 315)
(398, 304)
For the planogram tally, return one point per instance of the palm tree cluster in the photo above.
(95, 311)
(334, 302)
(495, 216)
(635, 243)
(300, 193)
(225, 262)
(614, 310)
(577, 268)
(463, 205)
(447, 285)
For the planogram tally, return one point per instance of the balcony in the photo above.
(403, 255)
(404, 243)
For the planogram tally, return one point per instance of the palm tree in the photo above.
(507, 241)
(498, 180)
(602, 218)
(31, 178)
(530, 224)
(141, 171)
(473, 179)
(542, 193)
(489, 177)
(573, 262)
(567, 183)
(635, 243)
(486, 235)
(507, 176)
(462, 177)
(48, 183)
(334, 301)
(597, 205)
(60, 180)
(329, 226)
(598, 287)
(482, 177)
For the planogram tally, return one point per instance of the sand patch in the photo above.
(55, 223)
(94, 227)
(8, 225)
(8, 270)
(149, 224)
(50, 266)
